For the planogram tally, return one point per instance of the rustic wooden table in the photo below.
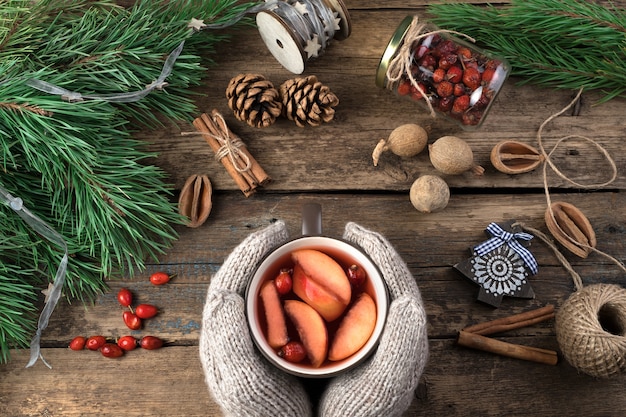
(331, 165)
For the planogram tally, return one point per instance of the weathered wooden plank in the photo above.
(169, 382)
(498, 386)
(449, 300)
(166, 382)
(332, 165)
(430, 244)
(300, 158)
(438, 239)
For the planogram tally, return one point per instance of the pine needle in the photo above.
(76, 165)
(563, 44)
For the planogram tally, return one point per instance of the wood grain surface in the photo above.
(332, 165)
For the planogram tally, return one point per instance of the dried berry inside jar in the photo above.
(459, 80)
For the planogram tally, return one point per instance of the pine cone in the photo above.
(254, 99)
(306, 100)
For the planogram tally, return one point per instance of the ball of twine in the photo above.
(591, 330)
(591, 324)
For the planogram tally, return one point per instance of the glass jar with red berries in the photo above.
(445, 74)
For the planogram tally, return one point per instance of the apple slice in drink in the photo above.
(274, 315)
(321, 282)
(355, 328)
(311, 328)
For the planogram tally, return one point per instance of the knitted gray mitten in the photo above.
(241, 381)
(384, 385)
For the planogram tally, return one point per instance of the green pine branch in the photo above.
(76, 165)
(564, 44)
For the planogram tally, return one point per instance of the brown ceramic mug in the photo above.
(343, 253)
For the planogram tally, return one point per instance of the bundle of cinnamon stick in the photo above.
(475, 336)
(232, 153)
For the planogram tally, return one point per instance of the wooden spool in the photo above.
(287, 45)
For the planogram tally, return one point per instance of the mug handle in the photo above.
(312, 219)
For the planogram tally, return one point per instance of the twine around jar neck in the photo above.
(403, 61)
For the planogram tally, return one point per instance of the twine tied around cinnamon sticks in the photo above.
(230, 150)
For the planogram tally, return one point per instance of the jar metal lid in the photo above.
(392, 47)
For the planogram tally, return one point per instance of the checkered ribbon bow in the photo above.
(501, 237)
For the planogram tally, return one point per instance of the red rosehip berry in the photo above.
(283, 282)
(444, 48)
(415, 93)
(447, 61)
(95, 342)
(464, 53)
(461, 104)
(445, 89)
(151, 342)
(131, 320)
(488, 75)
(127, 343)
(471, 64)
(160, 278)
(428, 61)
(445, 103)
(356, 275)
(471, 117)
(111, 350)
(78, 343)
(146, 311)
(459, 89)
(482, 102)
(293, 351)
(438, 75)
(472, 78)
(125, 297)
(404, 88)
(454, 74)
(492, 64)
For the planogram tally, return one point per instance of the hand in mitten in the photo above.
(241, 381)
(384, 385)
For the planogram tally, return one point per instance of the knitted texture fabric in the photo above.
(240, 380)
(384, 385)
(244, 383)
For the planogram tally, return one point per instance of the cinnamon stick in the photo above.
(216, 131)
(243, 185)
(511, 350)
(261, 177)
(515, 321)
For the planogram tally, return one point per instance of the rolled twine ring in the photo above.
(591, 330)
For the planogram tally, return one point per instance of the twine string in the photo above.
(578, 282)
(54, 293)
(402, 62)
(230, 146)
(548, 162)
